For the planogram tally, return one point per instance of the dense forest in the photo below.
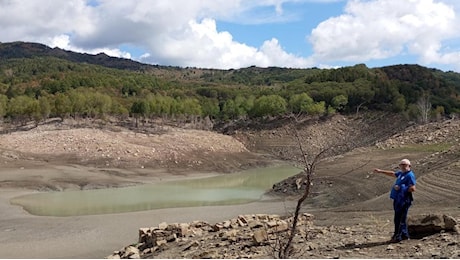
(38, 82)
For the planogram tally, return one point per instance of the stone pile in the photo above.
(192, 239)
(431, 133)
(118, 147)
(260, 236)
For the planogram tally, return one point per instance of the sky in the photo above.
(233, 34)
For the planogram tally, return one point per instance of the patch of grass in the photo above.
(429, 148)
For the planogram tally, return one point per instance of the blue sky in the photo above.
(293, 33)
(227, 34)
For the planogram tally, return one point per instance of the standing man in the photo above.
(401, 193)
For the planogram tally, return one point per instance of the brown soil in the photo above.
(346, 192)
(116, 156)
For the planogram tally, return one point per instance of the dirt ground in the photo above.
(60, 156)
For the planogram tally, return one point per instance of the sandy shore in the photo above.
(97, 236)
(23, 235)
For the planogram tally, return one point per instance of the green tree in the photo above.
(359, 95)
(303, 103)
(154, 102)
(243, 105)
(299, 103)
(210, 107)
(318, 108)
(140, 108)
(100, 104)
(3, 105)
(399, 103)
(12, 92)
(413, 112)
(175, 107)
(229, 110)
(191, 107)
(161, 105)
(236, 108)
(339, 102)
(119, 110)
(78, 101)
(44, 107)
(62, 105)
(271, 105)
(22, 108)
(438, 112)
(247, 104)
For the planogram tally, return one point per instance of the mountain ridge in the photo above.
(21, 49)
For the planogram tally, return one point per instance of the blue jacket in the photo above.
(404, 180)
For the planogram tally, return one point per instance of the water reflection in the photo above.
(237, 188)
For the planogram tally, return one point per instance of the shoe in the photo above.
(405, 238)
(394, 240)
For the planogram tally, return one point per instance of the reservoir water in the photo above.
(235, 188)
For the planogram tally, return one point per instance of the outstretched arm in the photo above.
(389, 173)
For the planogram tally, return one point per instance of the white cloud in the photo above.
(178, 32)
(277, 55)
(184, 32)
(181, 32)
(380, 29)
(38, 20)
(201, 45)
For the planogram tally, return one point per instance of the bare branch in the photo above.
(310, 159)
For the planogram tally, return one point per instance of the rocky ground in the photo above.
(117, 155)
(86, 143)
(264, 236)
(352, 212)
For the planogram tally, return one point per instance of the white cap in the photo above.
(405, 161)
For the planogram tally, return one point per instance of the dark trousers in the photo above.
(400, 220)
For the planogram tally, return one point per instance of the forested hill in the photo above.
(18, 50)
(37, 82)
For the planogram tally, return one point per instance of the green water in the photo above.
(236, 188)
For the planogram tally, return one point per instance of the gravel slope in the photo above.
(62, 157)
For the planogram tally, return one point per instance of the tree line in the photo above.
(85, 103)
(42, 87)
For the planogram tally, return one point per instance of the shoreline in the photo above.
(96, 236)
(23, 235)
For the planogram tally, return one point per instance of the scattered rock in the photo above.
(243, 241)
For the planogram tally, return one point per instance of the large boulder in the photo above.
(428, 224)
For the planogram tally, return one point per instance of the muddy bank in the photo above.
(26, 236)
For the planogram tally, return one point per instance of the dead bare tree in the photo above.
(308, 171)
(310, 159)
(424, 106)
(359, 106)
